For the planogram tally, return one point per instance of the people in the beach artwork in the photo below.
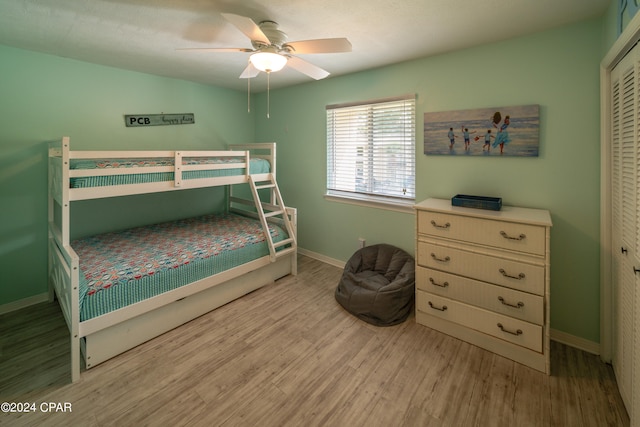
(501, 137)
(487, 140)
(465, 135)
(452, 138)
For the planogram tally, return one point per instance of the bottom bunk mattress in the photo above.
(121, 268)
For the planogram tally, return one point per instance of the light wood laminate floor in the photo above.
(289, 355)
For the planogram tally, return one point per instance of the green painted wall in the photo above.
(44, 97)
(556, 69)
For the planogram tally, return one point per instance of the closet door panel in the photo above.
(625, 226)
(632, 289)
(624, 372)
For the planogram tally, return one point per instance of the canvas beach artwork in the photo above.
(495, 131)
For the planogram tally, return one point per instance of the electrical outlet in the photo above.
(361, 242)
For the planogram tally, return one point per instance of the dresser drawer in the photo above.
(500, 234)
(516, 331)
(513, 274)
(502, 300)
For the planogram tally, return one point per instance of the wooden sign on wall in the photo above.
(138, 120)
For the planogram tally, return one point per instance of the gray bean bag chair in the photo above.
(378, 285)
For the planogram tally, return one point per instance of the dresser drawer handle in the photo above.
(520, 304)
(502, 328)
(434, 283)
(506, 236)
(443, 308)
(518, 277)
(445, 259)
(436, 225)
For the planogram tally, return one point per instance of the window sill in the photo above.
(373, 202)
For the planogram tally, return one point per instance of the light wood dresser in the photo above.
(483, 276)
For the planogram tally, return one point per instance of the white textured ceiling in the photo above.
(143, 35)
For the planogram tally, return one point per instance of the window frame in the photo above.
(369, 198)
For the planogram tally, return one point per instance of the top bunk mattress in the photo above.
(134, 173)
(125, 267)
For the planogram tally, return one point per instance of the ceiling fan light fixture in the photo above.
(268, 61)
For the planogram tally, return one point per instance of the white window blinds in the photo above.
(371, 149)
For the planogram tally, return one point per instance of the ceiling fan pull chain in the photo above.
(248, 95)
(268, 89)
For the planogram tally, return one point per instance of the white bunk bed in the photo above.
(83, 175)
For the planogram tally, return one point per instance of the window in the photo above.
(371, 150)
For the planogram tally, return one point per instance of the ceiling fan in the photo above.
(271, 50)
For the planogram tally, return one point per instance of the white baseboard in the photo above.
(577, 342)
(25, 302)
(323, 258)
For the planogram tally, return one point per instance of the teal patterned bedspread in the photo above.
(125, 267)
(139, 176)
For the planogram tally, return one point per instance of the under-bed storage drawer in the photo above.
(507, 328)
(509, 302)
(505, 235)
(513, 274)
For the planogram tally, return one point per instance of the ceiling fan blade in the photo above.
(248, 27)
(249, 72)
(307, 68)
(337, 45)
(216, 49)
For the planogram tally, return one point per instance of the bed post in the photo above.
(63, 268)
(54, 149)
(293, 215)
(74, 292)
(272, 150)
(64, 202)
(74, 326)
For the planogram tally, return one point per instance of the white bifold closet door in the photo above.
(625, 209)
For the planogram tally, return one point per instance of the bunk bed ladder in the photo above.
(273, 210)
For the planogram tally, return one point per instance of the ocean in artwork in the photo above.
(517, 127)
